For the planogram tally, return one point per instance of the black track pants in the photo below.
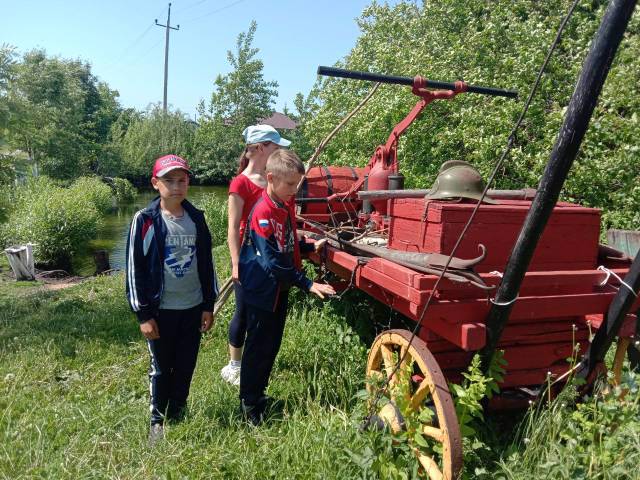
(173, 360)
(238, 324)
(264, 336)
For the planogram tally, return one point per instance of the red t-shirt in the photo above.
(249, 192)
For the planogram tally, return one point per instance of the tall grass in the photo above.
(215, 211)
(74, 395)
(74, 401)
(598, 437)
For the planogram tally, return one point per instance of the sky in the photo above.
(126, 49)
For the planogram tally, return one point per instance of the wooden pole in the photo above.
(583, 101)
(320, 148)
(223, 295)
(168, 28)
(614, 319)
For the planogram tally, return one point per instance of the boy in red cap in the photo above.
(171, 286)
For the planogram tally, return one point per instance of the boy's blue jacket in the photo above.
(267, 265)
(145, 260)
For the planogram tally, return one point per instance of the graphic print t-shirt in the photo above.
(182, 287)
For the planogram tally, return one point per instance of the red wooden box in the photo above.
(569, 242)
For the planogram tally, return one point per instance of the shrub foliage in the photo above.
(58, 220)
(123, 190)
(499, 44)
(96, 191)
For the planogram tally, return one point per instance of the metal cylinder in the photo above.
(396, 181)
(366, 204)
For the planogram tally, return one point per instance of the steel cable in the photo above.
(510, 142)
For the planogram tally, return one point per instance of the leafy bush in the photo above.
(96, 191)
(501, 44)
(5, 203)
(149, 136)
(215, 212)
(123, 190)
(596, 438)
(7, 169)
(58, 221)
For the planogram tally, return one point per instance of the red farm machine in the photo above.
(460, 260)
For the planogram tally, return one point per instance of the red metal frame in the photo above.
(557, 309)
(386, 156)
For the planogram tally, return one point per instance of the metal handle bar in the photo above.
(377, 77)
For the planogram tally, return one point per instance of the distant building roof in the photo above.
(280, 121)
(277, 120)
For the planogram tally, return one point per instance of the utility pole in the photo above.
(166, 54)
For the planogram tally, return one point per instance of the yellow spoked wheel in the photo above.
(416, 385)
(618, 359)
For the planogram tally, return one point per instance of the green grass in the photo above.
(74, 395)
(74, 401)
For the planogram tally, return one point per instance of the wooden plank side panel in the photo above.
(525, 308)
(584, 281)
(510, 210)
(561, 245)
(411, 236)
(468, 336)
(570, 240)
(521, 357)
(394, 286)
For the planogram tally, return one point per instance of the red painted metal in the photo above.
(384, 161)
(561, 302)
(323, 182)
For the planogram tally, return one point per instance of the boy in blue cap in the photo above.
(171, 286)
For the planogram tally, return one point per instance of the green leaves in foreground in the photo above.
(597, 438)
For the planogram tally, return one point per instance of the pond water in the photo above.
(113, 235)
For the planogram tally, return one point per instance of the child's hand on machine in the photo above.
(318, 244)
(322, 289)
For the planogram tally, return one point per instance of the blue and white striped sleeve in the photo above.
(136, 269)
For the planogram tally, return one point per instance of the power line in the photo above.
(146, 52)
(216, 10)
(126, 51)
(188, 7)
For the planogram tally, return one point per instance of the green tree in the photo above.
(139, 139)
(240, 98)
(60, 114)
(305, 107)
(110, 163)
(7, 71)
(502, 44)
(243, 96)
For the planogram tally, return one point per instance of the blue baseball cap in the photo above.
(264, 133)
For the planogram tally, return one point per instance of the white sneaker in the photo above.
(231, 374)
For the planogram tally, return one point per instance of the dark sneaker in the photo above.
(254, 414)
(176, 413)
(270, 406)
(156, 434)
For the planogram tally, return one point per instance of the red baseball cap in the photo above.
(167, 163)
